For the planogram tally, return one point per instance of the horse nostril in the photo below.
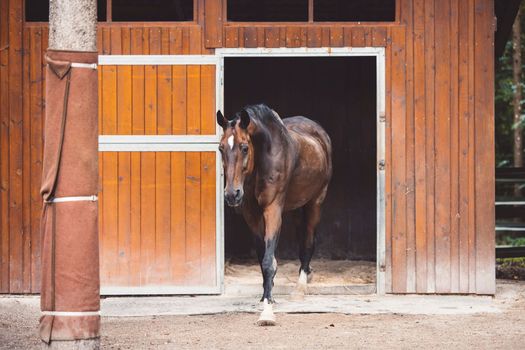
(237, 194)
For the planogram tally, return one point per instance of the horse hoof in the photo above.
(266, 319)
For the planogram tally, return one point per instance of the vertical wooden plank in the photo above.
(260, 37)
(314, 37)
(208, 228)
(26, 167)
(193, 216)
(154, 38)
(399, 186)
(175, 41)
(442, 146)
(484, 143)
(109, 100)
(109, 234)
(420, 151)
(116, 41)
(232, 37)
(179, 103)
(454, 147)
(136, 41)
(164, 91)
(36, 153)
(213, 22)
(137, 128)
(138, 83)
(195, 43)
(178, 217)
(430, 73)
(165, 41)
(379, 36)
(193, 91)
(124, 127)
(471, 152)
(293, 37)
(368, 36)
(126, 40)
(463, 161)
(185, 41)
(163, 218)
(388, 167)
(208, 100)
(150, 99)
(347, 36)
(163, 171)
(124, 100)
(325, 37)
(15, 147)
(282, 36)
(135, 220)
(147, 218)
(271, 37)
(250, 37)
(410, 152)
(4, 149)
(358, 37)
(336, 36)
(106, 41)
(123, 219)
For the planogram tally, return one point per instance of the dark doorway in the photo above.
(340, 94)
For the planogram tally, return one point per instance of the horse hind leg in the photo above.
(312, 216)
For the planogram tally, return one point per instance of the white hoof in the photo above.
(267, 317)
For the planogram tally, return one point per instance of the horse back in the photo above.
(313, 168)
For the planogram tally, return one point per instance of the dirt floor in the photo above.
(325, 272)
(502, 330)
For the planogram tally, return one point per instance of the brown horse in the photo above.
(272, 166)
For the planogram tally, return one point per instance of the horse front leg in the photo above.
(272, 228)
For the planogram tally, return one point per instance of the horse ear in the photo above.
(221, 120)
(245, 119)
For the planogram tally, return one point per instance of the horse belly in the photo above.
(310, 177)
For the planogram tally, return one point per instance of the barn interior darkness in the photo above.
(340, 94)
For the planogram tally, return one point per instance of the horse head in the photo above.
(237, 153)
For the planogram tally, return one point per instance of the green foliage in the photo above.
(504, 108)
(513, 240)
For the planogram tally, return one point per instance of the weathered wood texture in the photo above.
(440, 122)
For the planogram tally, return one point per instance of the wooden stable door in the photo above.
(158, 175)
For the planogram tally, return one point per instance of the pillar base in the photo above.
(84, 344)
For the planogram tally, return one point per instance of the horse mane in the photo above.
(264, 118)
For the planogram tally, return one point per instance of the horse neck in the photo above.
(268, 142)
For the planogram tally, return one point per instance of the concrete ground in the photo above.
(318, 322)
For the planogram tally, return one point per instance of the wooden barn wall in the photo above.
(440, 123)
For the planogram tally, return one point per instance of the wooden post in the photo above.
(70, 301)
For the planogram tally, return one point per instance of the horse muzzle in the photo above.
(233, 198)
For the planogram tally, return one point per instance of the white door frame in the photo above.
(172, 143)
(192, 143)
(379, 54)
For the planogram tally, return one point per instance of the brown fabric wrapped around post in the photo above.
(70, 293)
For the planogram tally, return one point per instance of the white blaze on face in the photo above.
(230, 141)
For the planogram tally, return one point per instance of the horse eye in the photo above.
(244, 149)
